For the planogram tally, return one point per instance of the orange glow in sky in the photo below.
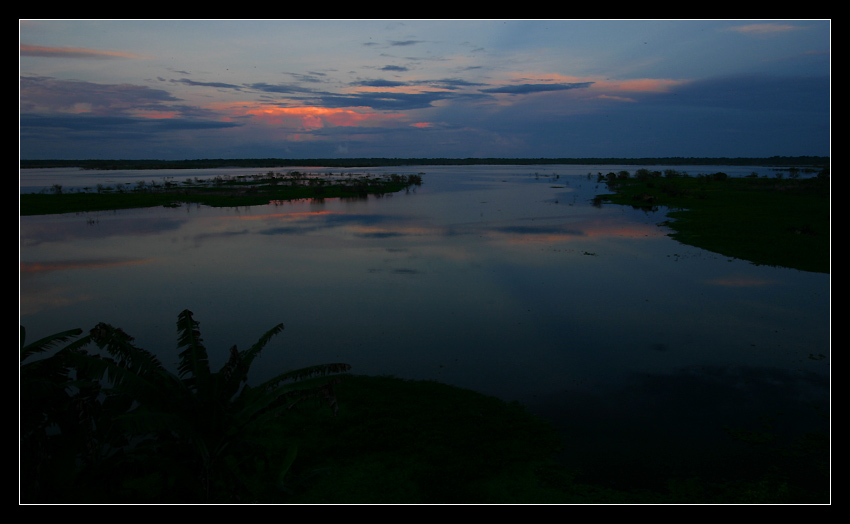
(310, 117)
(423, 88)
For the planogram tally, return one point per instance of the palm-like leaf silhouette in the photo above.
(207, 419)
(44, 379)
(55, 413)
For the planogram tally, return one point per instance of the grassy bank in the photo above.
(772, 221)
(391, 441)
(217, 192)
(401, 441)
(421, 442)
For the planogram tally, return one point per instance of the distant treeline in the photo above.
(778, 161)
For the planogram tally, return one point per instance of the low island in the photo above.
(779, 221)
(230, 191)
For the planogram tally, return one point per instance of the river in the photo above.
(503, 279)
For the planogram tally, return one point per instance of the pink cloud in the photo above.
(309, 117)
(763, 29)
(72, 52)
(619, 98)
(602, 88)
(641, 85)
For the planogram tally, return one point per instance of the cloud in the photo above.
(92, 136)
(110, 124)
(379, 83)
(641, 85)
(378, 100)
(306, 118)
(74, 52)
(524, 89)
(757, 93)
(763, 29)
(384, 100)
(46, 94)
(283, 89)
(221, 85)
(490, 94)
(310, 76)
(57, 115)
(404, 42)
(453, 83)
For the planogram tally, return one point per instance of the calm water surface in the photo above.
(502, 279)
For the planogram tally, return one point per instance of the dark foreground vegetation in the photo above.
(374, 162)
(238, 191)
(117, 425)
(778, 221)
(114, 425)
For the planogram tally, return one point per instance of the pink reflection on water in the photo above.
(46, 267)
(739, 281)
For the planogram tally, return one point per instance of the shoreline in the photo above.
(769, 221)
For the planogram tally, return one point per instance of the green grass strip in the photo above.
(777, 222)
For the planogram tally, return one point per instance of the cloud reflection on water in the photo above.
(482, 265)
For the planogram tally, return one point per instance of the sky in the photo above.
(189, 89)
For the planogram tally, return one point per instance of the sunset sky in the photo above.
(182, 89)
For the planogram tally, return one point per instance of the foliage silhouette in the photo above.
(54, 414)
(194, 436)
(394, 441)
